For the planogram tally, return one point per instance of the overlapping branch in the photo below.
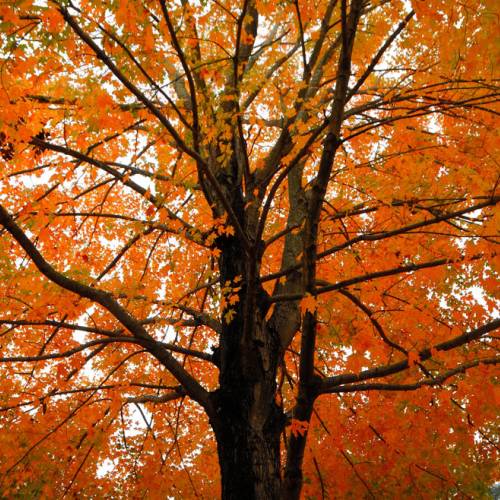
(407, 268)
(106, 300)
(436, 380)
(112, 336)
(329, 384)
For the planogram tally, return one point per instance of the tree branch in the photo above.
(163, 398)
(374, 322)
(127, 83)
(371, 276)
(429, 382)
(106, 300)
(328, 384)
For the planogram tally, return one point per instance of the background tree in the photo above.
(255, 234)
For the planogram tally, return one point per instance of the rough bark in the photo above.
(247, 422)
(248, 444)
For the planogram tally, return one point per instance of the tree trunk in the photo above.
(246, 420)
(249, 458)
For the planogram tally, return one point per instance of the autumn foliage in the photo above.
(248, 248)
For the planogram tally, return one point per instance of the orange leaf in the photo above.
(298, 427)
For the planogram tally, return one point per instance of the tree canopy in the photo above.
(248, 248)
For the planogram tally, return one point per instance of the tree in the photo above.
(255, 235)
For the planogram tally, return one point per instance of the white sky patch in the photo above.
(105, 467)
